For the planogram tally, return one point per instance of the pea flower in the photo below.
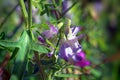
(48, 33)
(71, 50)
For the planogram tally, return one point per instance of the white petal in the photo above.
(79, 50)
(68, 51)
(76, 44)
(75, 30)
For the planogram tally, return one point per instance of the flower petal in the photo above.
(82, 54)
(53, 29)
(50, 33)
(75, 30)
(62, 53)
(50, 54)
(83, 63)
(41, 39)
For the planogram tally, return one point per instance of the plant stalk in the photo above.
(24, 11)
(29, 14)
(68, 9)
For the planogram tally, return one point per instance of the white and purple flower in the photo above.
(71, 50)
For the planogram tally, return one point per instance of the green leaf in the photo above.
(39, 48)
(21, 50)
(21, 58)
(14, 77)
(8, 44)
(36, 5)
(30, 68)
(2, 36)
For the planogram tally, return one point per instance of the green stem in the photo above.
(7, 17)
(50, 75)
(29, 14)
(24, 11)
(53, 1)
(68, 9)
(41, 70)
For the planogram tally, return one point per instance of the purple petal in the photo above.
(50, 33)
(41, 39)
(50, 54)
(82, 54)
(47, 34)
(82, 63)
(53, 28)
(78, 56)
(62, 52)
(80, 36)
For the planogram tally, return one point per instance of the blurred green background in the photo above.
(100, 20)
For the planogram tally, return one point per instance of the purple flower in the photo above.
(48, 33)
(71, 50)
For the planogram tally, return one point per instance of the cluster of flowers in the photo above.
(70, 50)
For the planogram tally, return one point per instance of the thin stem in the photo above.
(55, 12)
(59, 38)
(29, 14)
(60, 18)
(7, 17)
(39, 65)
(111, 58)
(24, 11)
(68, 9)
